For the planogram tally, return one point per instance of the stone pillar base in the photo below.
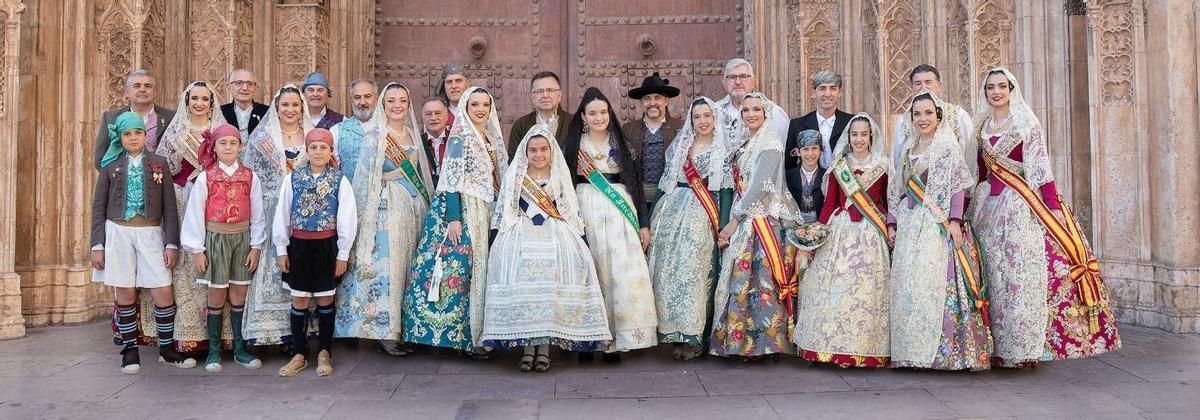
(61, 295)
(1157, 297)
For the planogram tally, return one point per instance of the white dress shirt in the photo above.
(192, 233)
(347, 219)
(825, 126)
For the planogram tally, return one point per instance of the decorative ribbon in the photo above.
(970, 262)
(540, 197)
(700, 190)
(588, 166)
(859, 197)
(398, 156)
(1085, 270)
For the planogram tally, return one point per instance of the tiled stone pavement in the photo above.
(72, 372)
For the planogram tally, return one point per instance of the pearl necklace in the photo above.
(993, 126)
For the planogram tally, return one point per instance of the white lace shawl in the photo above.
(367, 179)
(264, 152)
(878, 157)
(471, 171)
(947, 170)
(560, 188)
(175, 144)
(719, 172)
(1026, 130)
(760, 165)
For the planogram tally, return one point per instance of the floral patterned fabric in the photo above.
(748, 317)
(841, 310)
(316, 197)
(448, 320)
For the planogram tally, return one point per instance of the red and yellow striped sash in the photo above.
(970, 262)
(1085, 270)
(775, 262)
(858, 196)
(540, 197)
(700, 190)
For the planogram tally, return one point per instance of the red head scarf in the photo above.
(207, 152)
(323, 136)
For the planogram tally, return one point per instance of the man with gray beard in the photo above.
(362, 98)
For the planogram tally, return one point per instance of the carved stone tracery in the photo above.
(1112, 26)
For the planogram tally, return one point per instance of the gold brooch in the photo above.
(158, 177)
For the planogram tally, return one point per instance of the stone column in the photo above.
(301, 44)
(1120, 147)
(12, 324)
(1172, 147)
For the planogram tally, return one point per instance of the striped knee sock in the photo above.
(164, 320)
(127, 320)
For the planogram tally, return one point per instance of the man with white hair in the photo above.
(828, 119)
(141, 90)
(243, 111)
(738, 78)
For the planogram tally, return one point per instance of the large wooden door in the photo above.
(586, 42)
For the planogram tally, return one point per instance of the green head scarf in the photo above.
(128, 120)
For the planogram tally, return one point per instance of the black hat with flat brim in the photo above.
(654, 84)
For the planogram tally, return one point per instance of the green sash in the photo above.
(588, 166)
(396, 153)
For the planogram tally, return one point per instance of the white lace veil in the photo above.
(948, 173)
(677, 154)
(454, 168)
(878, 144)
(765, 192)
(1025, 126)
(367, 178)
(175, 144)
(560, 188)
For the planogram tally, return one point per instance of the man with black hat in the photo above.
(651, 135)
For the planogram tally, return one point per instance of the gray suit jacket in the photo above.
(109, 199)
(164, 117)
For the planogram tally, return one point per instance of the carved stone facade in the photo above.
(1120, 117)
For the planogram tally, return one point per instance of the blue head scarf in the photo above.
(128, 120)
(317, 79)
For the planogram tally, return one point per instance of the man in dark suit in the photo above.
(651, 135)
(141, 90)
(435, 131)
(546, 93)
(243, 111)
(827, 119)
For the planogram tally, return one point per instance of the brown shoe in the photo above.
(297, 364)
(324, 363)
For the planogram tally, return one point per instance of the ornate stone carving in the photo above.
(958, 28)
(1112, 26)
(901, 48)
(214, 44)
(870, 84)
(993, 34)
(813, 44)
(117, 52)
(299, 47)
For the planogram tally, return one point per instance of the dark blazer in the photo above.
(108, 202)
(257, 112)
(635, 133)
(330, 119)
(795, 185)
(436, 163)
(164, 117)
(522, 125)
(809, 122)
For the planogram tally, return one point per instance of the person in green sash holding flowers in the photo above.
(842, 310)
(392, 183)
(617, 225)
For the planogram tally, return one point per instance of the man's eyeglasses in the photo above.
(541, 92)
(734, 77)
(241, 83)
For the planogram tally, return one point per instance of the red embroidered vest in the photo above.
(228, 196)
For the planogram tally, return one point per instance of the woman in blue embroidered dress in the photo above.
(392, 184)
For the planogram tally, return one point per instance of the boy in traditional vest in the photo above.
(135, 237)
(314, 227)
(224, 227)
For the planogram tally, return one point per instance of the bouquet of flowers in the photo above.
(808, 237)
